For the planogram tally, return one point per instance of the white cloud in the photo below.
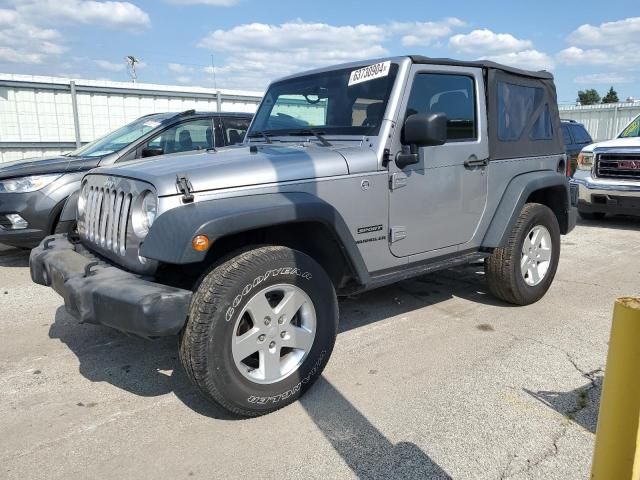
(627, 57)
(612, 44)
(607, 34)
(179, 68)
(110, 66)
(424, 33)
(110, 14)
(24, 42)
(607, 78)
(527, 59)
(213, 3)
(483, 42)
(258, 52)
(183, 79)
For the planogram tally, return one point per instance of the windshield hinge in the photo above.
(386, 157)
(184, 187)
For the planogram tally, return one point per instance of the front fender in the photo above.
(514, 198)
(169, 239)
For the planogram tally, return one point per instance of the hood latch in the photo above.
(184, 187)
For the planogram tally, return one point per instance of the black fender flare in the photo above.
(169, 239)
(514, 198)
(70, 207)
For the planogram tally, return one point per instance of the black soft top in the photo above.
(486, 64)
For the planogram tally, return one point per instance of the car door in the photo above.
(439, 202)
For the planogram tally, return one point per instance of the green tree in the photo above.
(611, 96)
(588, 97)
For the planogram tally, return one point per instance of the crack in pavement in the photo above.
(582, 403)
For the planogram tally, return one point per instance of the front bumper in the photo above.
(97, 292)
(36, 208)
(606, 195)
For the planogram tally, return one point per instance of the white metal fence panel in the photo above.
(37, 113)
(603, 121)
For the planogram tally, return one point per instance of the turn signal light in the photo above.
(200, 243)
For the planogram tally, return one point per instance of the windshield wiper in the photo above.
(260, 134)
(307, 131)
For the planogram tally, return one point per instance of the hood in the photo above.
(42, 166)
(630, 142)
(235, 167)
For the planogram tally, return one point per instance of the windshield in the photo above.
(632, 130)
(349, 101)
(118, 139)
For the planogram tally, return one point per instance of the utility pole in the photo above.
(131, 67)
(213, 73)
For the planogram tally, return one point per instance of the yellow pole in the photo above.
(617, 451)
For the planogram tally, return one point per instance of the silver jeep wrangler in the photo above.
(350, 178)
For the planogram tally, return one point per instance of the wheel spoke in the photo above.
(299, 338)
(270, 363)
(534, 274)
(246, 345)
(259, 308)
(545, 254)
(289, 305)
(535, 239)
(524, 265)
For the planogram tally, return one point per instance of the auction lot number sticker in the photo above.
(371, 72)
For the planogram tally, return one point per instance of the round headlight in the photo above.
(144, 213)
(149, 209)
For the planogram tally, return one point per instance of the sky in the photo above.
(244, 44)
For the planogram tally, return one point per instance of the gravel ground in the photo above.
(430, 378)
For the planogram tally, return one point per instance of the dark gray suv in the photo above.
(33, 191)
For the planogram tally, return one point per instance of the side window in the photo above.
(517, 104)
(566, 136)
(235, 129)
(580, 134)
(453, 95)
(184, 137)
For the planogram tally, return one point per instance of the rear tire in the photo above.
(521, 274)
(248, 349)
(591, 215)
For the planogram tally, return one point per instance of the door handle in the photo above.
(473, 161)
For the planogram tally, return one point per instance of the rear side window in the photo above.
(580, 134)
(453, 95)
(566, 136)
(235, 129)
(517, 106)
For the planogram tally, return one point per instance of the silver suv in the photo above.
(351, 177)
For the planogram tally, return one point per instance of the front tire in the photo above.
(522, 271)
(261, 329)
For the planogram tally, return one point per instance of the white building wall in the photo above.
(36, 113)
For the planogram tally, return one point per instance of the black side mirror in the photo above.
(425, 129)
(421, 130)
(151, 152)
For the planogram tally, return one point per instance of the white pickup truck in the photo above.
(607, 178)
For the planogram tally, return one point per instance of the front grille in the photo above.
(618, 165)
(106, 218)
